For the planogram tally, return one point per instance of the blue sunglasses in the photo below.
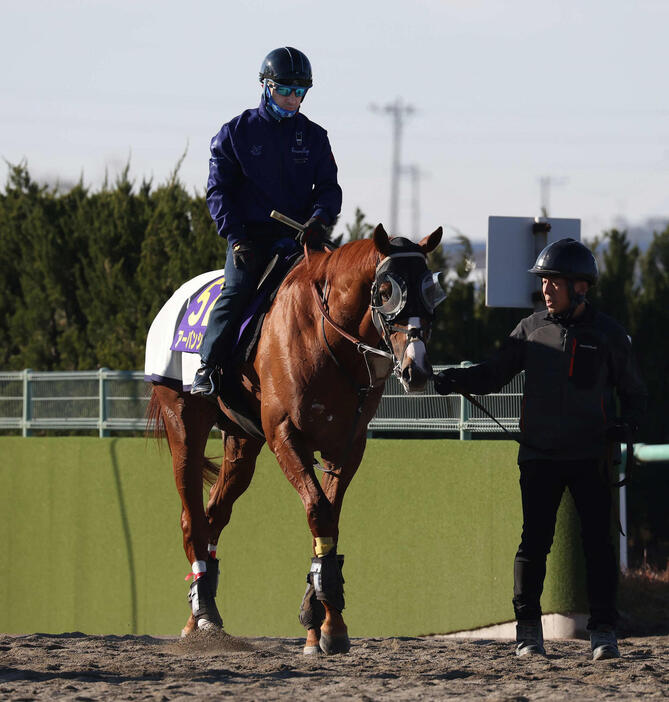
(286, 90)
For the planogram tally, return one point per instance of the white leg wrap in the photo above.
(199, 567)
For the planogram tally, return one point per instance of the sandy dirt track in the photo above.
(81, 667)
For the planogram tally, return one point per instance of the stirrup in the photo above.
(205, 382)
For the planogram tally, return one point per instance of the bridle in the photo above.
(383, 322)
(385, 312)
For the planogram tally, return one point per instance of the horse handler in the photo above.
(576, 360)
(268, 158)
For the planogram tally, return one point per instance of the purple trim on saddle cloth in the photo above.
(249, 314)
(190, 332)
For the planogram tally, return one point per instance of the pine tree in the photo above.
(616, 289)
(649, 334)
(44, 258)
(360, 228)
(108, 290)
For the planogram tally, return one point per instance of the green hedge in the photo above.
(92, 541)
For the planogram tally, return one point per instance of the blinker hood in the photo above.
(414, 290)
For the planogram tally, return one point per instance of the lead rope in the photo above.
(629, 458)
(480, 406)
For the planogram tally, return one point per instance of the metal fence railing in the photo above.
(106, 400)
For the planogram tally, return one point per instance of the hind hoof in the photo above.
(311, 650)
(334, 644)
(189, 628)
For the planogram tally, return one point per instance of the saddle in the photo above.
(192, 325)
(230, 390)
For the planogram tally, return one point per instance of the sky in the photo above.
(504, 93)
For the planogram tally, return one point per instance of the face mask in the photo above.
(411, 290)
(277, 112)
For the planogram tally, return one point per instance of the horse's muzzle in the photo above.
(414, 378)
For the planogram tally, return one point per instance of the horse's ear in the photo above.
(430, 243)
(381, 240)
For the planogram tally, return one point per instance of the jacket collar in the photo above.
(586, 316)
(262, 111)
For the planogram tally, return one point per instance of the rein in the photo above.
(362, 348)
(629, 459)
(359, 344)
(361, 391)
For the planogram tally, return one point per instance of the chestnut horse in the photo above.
(315, 382)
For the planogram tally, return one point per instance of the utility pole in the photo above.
(398, 111)
(415, 174)
(545, 183)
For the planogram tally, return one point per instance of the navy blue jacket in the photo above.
(259, 164)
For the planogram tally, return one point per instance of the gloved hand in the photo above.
(243, 256)
(445, 382)
(313, 234)
(621, 432)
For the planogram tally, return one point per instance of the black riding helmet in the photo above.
(287, 66)
(566, 258)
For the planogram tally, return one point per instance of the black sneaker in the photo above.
(204, 382)
(529, 639)
(604, 644)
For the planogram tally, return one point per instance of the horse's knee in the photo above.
(321, 517)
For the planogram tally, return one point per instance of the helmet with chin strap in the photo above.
(287, 66)
(567, 258)
(284, 66)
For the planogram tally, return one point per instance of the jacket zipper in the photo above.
(571, 361)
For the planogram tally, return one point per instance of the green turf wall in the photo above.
(91, 541)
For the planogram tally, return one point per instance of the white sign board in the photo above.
(511, 249)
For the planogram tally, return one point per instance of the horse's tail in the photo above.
(155, 428)
(210, 471)
(155, 424)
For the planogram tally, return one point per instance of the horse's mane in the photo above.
(360, 255)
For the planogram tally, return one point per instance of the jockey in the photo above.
(268, 158)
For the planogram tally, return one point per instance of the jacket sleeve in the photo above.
(224, 178)
(327, 195)
(628, 382)
(494, 373)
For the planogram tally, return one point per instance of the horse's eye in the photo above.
(385, 290)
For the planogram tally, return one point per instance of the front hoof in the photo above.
(334, 644)
(311, 650)
(202, 624)
(206, 625)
